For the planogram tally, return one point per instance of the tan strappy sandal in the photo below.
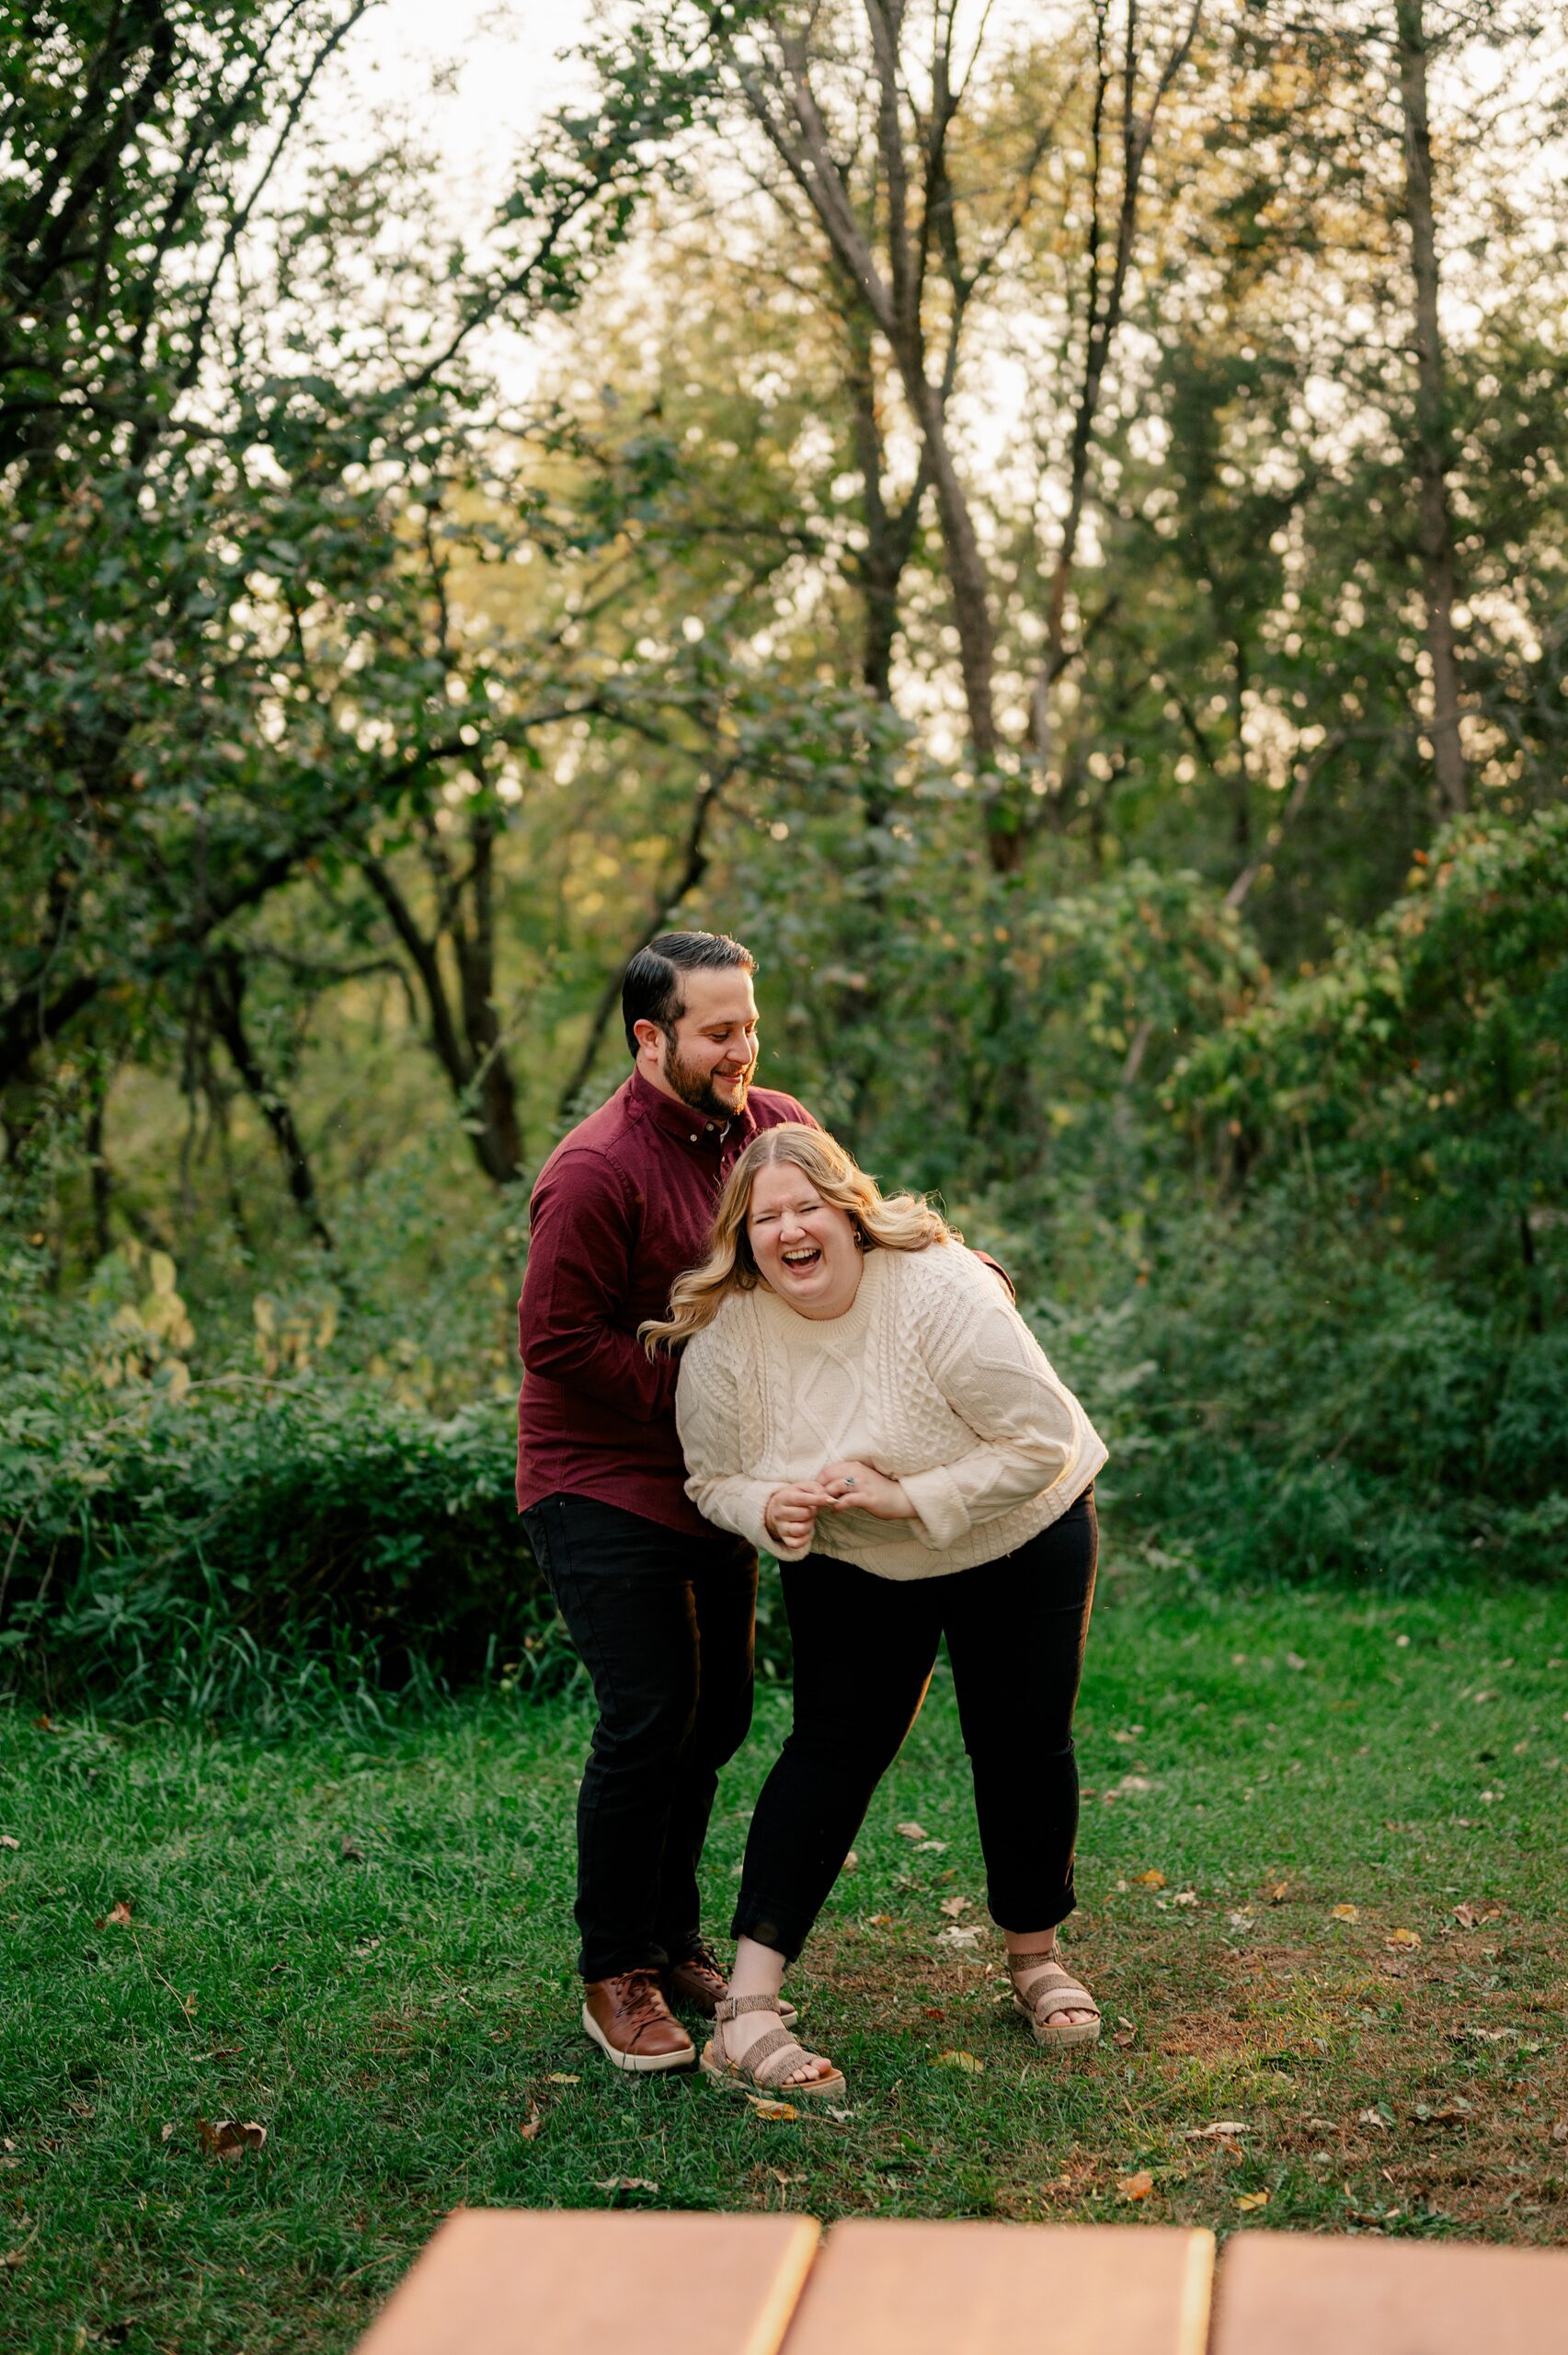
(1053, 1990)
(765, 2064)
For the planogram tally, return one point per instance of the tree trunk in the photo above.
(225, 995)
(1432, 451)
(499, 1140)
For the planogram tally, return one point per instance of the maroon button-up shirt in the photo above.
(621, 1207)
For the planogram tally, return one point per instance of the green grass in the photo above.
(359, 1937)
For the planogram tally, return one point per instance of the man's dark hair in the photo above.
(650, 991)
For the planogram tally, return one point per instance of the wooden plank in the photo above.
(1314, 2293)
(510, 2281)
(887, 2286)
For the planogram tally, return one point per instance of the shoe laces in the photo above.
(642, 1998)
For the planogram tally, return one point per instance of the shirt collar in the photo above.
(682, 1121)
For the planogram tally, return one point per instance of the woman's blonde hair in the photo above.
(886, 1221)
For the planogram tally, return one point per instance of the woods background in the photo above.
(1048, 523)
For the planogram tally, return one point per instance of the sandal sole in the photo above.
(1083, 2032)
(736, 2081)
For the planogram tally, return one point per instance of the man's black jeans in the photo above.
(865, 1647)
(663, 1624)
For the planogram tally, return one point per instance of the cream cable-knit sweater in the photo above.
(930, 1376)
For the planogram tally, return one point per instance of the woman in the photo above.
(858, 1395)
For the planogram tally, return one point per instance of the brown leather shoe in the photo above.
(629, 2021)
(699, 1981)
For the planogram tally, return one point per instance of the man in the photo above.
(659, 1603)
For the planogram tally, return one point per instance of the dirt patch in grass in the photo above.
(1378, 2093)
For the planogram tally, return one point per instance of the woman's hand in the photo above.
(852, 1486)
(790, 1513)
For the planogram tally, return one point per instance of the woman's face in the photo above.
(804, 1248)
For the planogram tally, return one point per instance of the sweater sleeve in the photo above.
(573, 1318)
(1030, 1430)
(707, 1415)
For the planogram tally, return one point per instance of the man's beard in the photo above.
(696, 1087)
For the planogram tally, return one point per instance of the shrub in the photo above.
(165, 1550)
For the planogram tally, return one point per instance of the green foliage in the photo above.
(357, 730)
(1423, 1074)
(1318, 1409)
(205, 1553)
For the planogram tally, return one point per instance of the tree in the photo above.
(915, 175)
(221, 405)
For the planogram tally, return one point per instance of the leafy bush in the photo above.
(1308, 1407)
(201, 1551)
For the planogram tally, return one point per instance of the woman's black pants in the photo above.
(865, 1647)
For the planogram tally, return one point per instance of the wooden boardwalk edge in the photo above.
(588, 2281)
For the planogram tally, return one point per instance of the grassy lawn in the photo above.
(359, 1938)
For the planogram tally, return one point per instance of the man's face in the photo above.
(711, 1058)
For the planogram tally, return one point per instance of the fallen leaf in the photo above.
(1479, 1697)
(1485, 2034)
(965, 2061)
(1184, 1897)
(1294, 1660)
(1438, 2112)
(1222, 2131)
(1346, 1913)
(168, 2130)
(1135, 2186)
(1245, 2200)
(116, 1918)
(1240, 1921)
(1404, 1939)
(1149, 1880)
(1468, 1915)
(625, 2183)
(532, 2123)
(851, 1863)
(559, 2078)
(226, 2139)
(349, 1855)
(772, 2108)
(954, 1906)
(1278, 1891)
(6, 1841)
(1373, 2118)
(879, 1921)
(932, 1848)
(1560, 2132)
(911, 1831)
(1134, 1783)
(959, 1936)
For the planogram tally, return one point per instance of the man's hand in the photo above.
(790, 1513)
(853, 1487)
